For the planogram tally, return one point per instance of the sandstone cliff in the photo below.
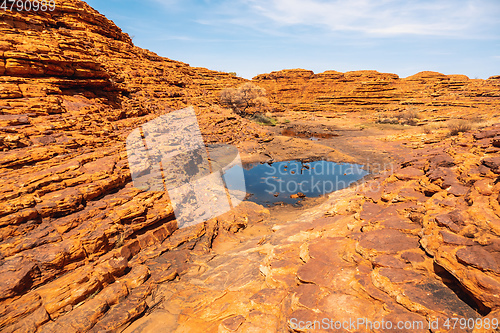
(72, 87)
(438, 96)
(82, 250)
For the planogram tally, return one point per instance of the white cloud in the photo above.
(383, 17)
(380, 18)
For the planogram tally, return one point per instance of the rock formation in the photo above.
(82, 250)
(418, 245)
(72, 87)
(437, 96)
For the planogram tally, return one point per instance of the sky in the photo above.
(252, 37)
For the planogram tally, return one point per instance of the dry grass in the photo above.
(459, 126)
(410, 116)
(432, 128)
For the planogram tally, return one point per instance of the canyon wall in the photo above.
(437, 96)
(72, 87)
(82, 250)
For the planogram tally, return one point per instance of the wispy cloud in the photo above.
(460, 18)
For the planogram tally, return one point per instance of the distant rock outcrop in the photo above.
(331, 93)
(82, 250)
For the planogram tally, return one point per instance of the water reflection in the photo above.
(272, 183)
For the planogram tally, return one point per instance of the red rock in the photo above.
(396, 275)
(303, 319)
(408, 173)
(478, 257)
(18, 309)
(442, 160)
(233, 323)
(268, 296)
(387, 240)
(113, 293)
(484, 287)
(302, 90)
(136, 277)
(399, 224)
(52, 258)
(412, 257)
(70, 220)
(59, 202)
(418, 323)
(387, 261)
(81, 319)
(17, 275)
(339, 307)
(453, 239)
(370, 210)
(495, 142)
(29, 323)
(436, 296)
(458, 190)
(309, 295)
(485, 134)
(44, 234)
(493, 163)
(19, 217)
(445, 221)
(119, 315)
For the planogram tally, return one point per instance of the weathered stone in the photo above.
(412, 257)
(80, 319)
(445, 221)
(17, 275)
(408, 173)
(119, 315)
(232, 324)
(136, 276)
(396, 275)
(268, 296)
(387, 240)
(493, 163)
(484, 134)
(29, 323)
(478, 257)
(387, 261)
(70, 219)
(18, 309)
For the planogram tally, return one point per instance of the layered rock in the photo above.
(418, 245)
(72, 87)
(82, 250)
(331, 93)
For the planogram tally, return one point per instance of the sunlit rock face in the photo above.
(437, 96)
(83, 249)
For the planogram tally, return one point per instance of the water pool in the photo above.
(267, 184)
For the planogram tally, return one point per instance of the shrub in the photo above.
(265, 120)
(242, 99)
(456, 127)
(409, 116)
(433, 128)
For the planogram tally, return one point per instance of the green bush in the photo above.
(263, 120)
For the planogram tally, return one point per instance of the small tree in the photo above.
(247, 96)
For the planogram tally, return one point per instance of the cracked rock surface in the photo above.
(82, 250)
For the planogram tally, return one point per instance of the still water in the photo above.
(267, 184)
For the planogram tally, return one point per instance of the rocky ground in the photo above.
(82, 250)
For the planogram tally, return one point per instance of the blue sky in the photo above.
(252, 37)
